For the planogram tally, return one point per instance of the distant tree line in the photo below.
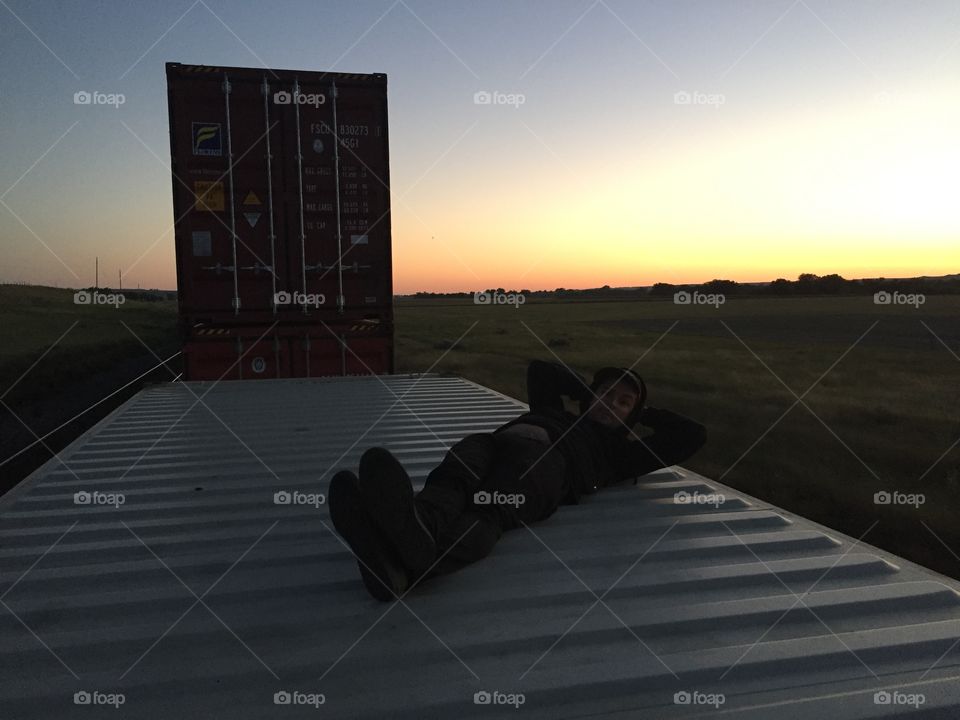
(810, 284)
(805, 284)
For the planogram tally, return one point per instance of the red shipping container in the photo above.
(281, 203)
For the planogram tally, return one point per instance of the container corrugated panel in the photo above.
(294, 165)
(200, 595)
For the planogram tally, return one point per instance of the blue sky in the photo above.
(599, 116)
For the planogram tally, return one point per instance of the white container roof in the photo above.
(199, 597)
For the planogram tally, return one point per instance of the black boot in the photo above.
(388, 496)
(381, 570)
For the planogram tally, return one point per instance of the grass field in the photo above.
(880, 389)
(880, 385)
(93, 337)
(59, 359)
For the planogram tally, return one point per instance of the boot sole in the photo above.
(388, 495)
(382, 574)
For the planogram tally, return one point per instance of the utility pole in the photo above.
(96, 274)
(119, 279)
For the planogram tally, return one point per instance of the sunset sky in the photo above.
(829, 140)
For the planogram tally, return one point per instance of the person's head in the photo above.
(617, 400)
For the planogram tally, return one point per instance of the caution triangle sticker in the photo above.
(252, 218)
(251, 199)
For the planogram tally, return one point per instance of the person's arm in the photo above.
(675, 438)
(547, 382)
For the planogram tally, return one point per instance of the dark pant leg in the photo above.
(531, 472)
(450, 486)
(471, 537)
(518, 468)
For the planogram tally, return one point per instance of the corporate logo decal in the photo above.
(207, 139)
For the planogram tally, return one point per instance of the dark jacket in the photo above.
(597, 456)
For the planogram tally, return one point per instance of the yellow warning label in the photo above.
(209, 195)
(251, 199)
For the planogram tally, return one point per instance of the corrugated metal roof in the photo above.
(200, 597)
